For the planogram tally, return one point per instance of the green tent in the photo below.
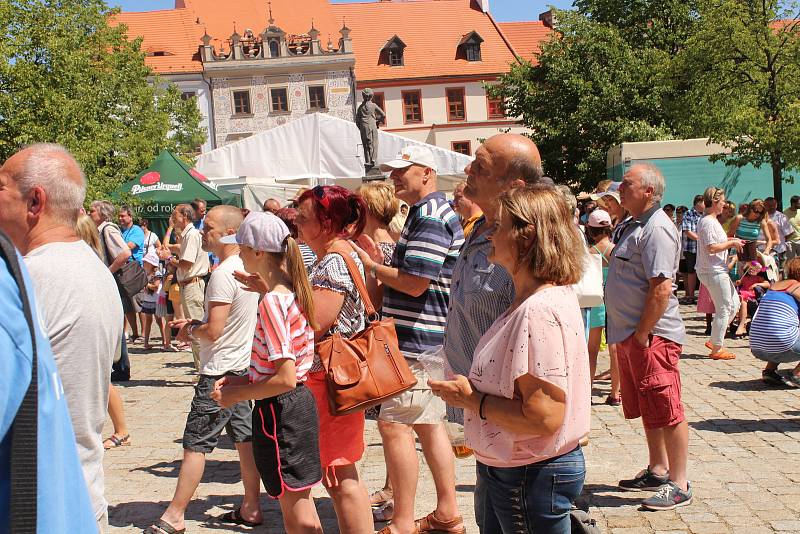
(167, 182)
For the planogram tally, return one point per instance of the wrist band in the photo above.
(480, 408)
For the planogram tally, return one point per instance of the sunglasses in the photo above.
(319, 194)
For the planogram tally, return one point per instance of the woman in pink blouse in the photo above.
(526, 401)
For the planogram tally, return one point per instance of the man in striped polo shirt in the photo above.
(416, 294)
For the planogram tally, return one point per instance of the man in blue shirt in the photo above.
(62, 501)
(132, 234)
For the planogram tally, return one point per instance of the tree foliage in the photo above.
(742, 74)
(599, 81)
(67, 76)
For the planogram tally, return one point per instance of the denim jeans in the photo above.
(530, 499)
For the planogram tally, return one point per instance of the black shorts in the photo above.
(170, 308)
(149, 308)
(207, 419)
(286, 441)
(690, 259)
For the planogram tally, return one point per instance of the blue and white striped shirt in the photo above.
(428, 247)
(776, 324)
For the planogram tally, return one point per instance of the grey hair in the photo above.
(525, 168)
(105, 209)
(566, 192)
(652, 177)
(52, 167)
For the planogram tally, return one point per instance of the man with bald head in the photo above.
(225, 338)
(271, 205)
(481, 291)
(42, 189)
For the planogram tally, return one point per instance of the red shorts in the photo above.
(651, 382)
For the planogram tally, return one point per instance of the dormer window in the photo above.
(392, 52)
(470, 46)
(395, 58)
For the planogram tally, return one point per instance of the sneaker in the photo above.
(772, 377)
(645, 480)
(613, 401)
(668, 497)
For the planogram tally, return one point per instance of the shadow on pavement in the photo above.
(744, 385)
(222, 472)
(593, 495)
(466, 488)
(742, 426)
(133, 383)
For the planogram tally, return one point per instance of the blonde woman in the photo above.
(382, 207)
(527, 398)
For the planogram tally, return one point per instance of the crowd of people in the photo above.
(488, 282)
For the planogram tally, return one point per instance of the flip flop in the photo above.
(235, 517)
(380, 497)
(162, 527)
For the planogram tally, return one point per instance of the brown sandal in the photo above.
(430, 525)
(387, 530)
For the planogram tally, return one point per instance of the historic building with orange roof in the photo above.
(254, 65)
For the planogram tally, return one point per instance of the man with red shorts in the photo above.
(643, 319)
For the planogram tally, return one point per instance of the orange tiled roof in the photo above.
(172, 31)
(431, 30)
(292, 16)
(526, 37)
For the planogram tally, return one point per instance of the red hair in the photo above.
(337, 209)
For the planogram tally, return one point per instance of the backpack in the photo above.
(23, 431)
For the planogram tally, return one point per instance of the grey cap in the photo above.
(368, 92)
(261, 231)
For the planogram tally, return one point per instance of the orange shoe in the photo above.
(722, 355)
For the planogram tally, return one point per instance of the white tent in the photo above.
(316, 148)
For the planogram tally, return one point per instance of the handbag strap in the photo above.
(24, 441)
(357, 280)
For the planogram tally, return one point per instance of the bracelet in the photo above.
(373, 271)
(190, 332)
(480, 408)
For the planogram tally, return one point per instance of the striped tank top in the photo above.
(776, 325)
(748, 230)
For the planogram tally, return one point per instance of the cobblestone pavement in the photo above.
(745, 441)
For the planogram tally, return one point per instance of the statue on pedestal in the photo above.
(368, 115)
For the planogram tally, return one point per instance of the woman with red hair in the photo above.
(327, 217)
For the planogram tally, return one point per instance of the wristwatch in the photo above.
(190, 332)
(373, 271)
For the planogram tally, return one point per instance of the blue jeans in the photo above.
(530, 499)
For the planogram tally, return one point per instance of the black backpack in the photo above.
(23, 431)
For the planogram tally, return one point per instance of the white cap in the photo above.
(599, 219)
(411, 154)
(261, 231)
(612, 194)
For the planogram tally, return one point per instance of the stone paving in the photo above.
(745, 440)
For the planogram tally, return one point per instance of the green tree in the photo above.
(742, 74)
(592, 88)
(67, 76)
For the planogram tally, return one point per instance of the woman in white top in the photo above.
(150, 257)
(712, 269)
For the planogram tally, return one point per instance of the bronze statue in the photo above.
(368, 115)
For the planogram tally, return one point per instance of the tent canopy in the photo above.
(168, 182)
(317, 146)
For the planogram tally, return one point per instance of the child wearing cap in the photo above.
(598, 232)
(285, 420)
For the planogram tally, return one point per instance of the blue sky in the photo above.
(503, 10)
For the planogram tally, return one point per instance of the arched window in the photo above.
(274, 49)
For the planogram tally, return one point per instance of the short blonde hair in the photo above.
(380, 199)
(792, 269)
(556, 252)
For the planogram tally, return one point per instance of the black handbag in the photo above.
(131, 277)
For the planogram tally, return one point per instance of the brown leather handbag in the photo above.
(367, 368)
